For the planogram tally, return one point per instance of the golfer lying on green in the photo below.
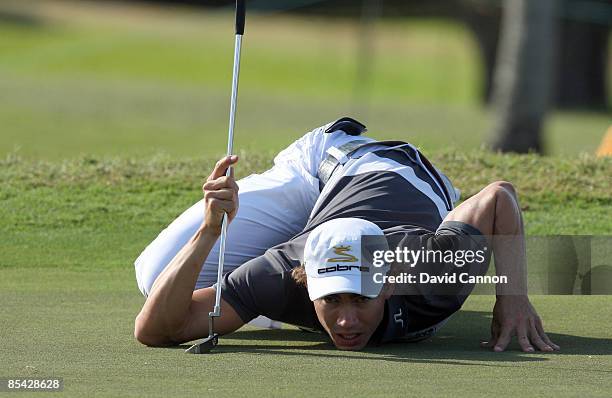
(321, 279)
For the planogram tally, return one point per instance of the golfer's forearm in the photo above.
(514, 269)
(166, 310)
(509, 249)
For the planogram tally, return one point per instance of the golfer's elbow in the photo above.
(147, 335)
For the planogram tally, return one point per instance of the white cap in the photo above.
(336, 262)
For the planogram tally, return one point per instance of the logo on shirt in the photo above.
(344, 257)
(398, 318)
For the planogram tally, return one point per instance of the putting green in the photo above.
(77, 324)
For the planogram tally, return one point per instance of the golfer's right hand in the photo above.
(220, 195)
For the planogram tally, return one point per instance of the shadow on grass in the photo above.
(456, 344)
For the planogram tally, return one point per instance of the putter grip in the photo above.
(240, 16)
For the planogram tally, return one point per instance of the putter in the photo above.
(206, 345)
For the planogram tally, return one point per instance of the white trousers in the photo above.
(274, 206)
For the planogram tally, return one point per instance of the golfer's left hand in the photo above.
(515, 316)
(220, 194)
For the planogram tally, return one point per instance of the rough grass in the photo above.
(70, 210)
(584, 178)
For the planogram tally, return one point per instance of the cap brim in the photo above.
(321, 287)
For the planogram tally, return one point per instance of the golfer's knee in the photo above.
(503, 195)
(500, 186)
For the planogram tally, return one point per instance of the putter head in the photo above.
(205, 346)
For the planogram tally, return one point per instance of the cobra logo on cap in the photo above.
(345, 257)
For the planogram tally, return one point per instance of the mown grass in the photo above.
(77, 324)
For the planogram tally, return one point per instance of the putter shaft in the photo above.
(211, 341)
(230, 148)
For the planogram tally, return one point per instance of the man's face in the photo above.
(350, 319)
